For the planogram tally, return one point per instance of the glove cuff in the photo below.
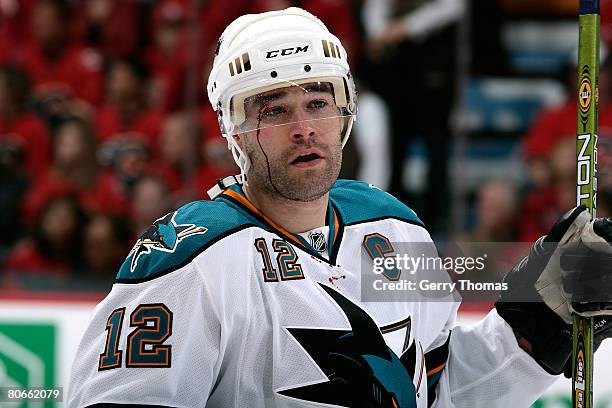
(549, 335)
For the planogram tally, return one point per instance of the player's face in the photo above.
(296, 149)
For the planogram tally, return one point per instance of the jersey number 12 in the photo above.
(145, 348)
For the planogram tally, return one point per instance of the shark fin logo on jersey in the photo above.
(318, 241)
(362, 370)
(164, 235)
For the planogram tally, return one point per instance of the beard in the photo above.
(277, 177)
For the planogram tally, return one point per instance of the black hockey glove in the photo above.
(586, 270)
(535, 304)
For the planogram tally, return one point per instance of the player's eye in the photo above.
(273, 112)
(318, 104)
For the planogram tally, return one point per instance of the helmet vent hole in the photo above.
(307, 68)
(273, 74)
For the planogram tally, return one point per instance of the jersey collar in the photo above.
(236, 195)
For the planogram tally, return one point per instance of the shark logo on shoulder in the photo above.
(164, 235)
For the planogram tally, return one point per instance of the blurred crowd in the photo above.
(105, 125)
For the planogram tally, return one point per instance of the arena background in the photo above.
(466, 113)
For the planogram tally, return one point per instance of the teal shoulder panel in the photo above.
(176, 238)
(359, 202)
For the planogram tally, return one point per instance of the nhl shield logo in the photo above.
(318, 241)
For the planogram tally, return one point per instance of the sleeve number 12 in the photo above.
(145, 348)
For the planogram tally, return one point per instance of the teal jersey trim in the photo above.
(178, 237)
(359, 202)
(332, 230)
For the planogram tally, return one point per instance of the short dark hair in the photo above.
(134, 64)
(62, 8)
(119, 226)
(17, 85)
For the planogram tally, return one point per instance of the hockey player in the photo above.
(253, 299)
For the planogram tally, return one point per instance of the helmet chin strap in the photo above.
(240, 158)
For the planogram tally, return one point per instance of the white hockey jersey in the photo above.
(216, 306)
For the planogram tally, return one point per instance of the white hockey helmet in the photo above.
(258, 53)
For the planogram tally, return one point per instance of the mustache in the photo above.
(301, 144)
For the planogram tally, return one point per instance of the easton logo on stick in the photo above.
(585, 94)
(585, 97)
(586, 190)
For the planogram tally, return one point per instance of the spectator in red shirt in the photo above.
(497, 205)
(167, 54)
(14, 28)
(76, 169)
(13, 185)
(54, 246)
(550, 127)
(559, 193)
(213, 17)
(184, 165)
(60, 68)
(130, 160)
(150, 201)
(179, 148)
(20, 129)
(113, 27)
(106, 243)
(126, 115)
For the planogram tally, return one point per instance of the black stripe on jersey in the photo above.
(396, 326)
(436, 362)
(338, 241)
(387, 217)
(189, 259)
(108, 404)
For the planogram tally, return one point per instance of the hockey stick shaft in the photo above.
(586, 187)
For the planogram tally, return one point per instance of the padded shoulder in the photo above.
(176, 238)
(360, 202)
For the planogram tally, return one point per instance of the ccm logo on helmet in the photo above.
(286, 51)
